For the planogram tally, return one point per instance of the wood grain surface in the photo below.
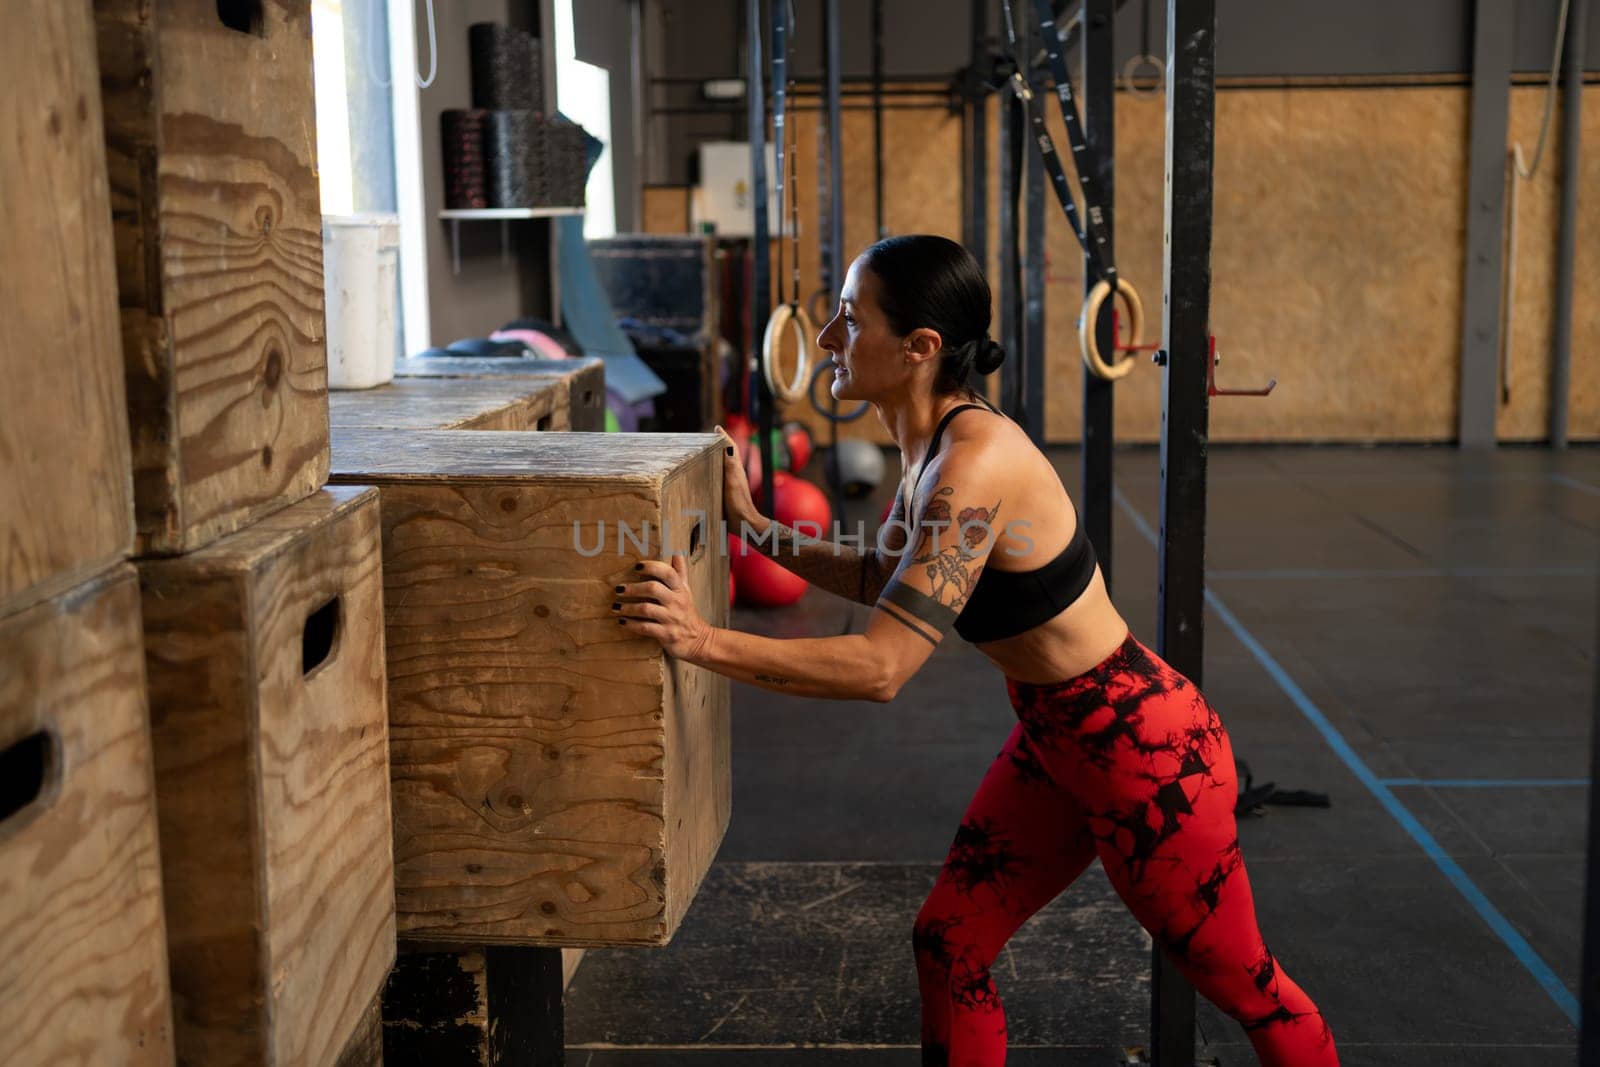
(273, 781)
(454, 404)
(535, 744)
(83, 969)
(583, 380)
(211, 147)
(66, 500)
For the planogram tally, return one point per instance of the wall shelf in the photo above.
(508, 212)
(503, 215)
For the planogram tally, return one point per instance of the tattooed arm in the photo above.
(917, 607)
(854, 571)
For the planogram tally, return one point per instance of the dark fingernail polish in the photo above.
(622, 622)
(730, 450)
(638, 566)
(615, 606)
(619, 588)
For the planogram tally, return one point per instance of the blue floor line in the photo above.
(1573, 483)
(1514, 941)
(1416, 572)
(1488, 783)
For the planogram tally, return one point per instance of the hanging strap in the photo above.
(1093, 236)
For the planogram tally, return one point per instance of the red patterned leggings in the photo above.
(1127, 762)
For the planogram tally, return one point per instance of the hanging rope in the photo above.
(789, 314)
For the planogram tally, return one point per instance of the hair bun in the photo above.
(988, 357)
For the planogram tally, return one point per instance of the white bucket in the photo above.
(360, 256)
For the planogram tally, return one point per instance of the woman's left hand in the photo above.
(661, 605)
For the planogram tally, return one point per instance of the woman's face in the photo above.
(865, 349)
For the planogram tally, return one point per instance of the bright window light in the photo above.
(333, 108)
(584, 94)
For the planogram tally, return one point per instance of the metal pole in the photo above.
(1099, 426)
(1185, 415)
(1589, 982)
(1011, 139)
(877, 116)
(1033, 333)
(1571, 146)
(978, 190)
(1493, 32)
(761, 242)
(839, 258)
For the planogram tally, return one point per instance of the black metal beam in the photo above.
(1185, 416)
(839, 255)
(1494, 26)
(760, 399)
(1011, 145)
(1099, 128)
(978, 143)
(877, 117)
(1571, 181)
(1033, 287)
(1589, 982)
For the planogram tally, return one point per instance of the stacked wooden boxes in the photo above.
(83, 976)
(580, 383)
(557, 779)
(261, 591)
(453, 404)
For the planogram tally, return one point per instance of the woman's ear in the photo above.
(922, 345)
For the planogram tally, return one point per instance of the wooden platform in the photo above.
(211, 147)
(453, 404)
(583, 380)
(557, 781)
(265, 660)
(66, 498)
(83, 967)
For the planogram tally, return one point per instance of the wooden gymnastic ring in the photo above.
(1091, 315)
(794, 317)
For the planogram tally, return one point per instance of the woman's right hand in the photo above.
(738, 506)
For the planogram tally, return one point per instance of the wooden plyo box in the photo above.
(557, 781)
(265, 659)
(583, 380)
(210, 133)
(66, 498)
(83, 965)
(452, 404)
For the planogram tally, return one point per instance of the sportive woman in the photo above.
(1114, 754)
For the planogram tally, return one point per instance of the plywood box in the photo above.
(265, 659)
(583, 380)
(66, 499)
(452, 404)
(210, 136)
(83, 968)
(557, 780)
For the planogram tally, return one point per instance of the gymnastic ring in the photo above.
(1132, 65)
(794, 317)
(1091, 315)
(820, 305)
(823, 367)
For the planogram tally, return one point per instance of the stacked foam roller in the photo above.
(504, 152)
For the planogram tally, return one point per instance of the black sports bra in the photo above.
(1006, 603)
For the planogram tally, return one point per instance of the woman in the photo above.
(1114, 755)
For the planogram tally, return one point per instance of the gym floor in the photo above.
(1411, 630)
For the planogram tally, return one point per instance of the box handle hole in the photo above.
(241, 15)
(29, 769)
(316, 643)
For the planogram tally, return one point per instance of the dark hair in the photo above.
(932, 282)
